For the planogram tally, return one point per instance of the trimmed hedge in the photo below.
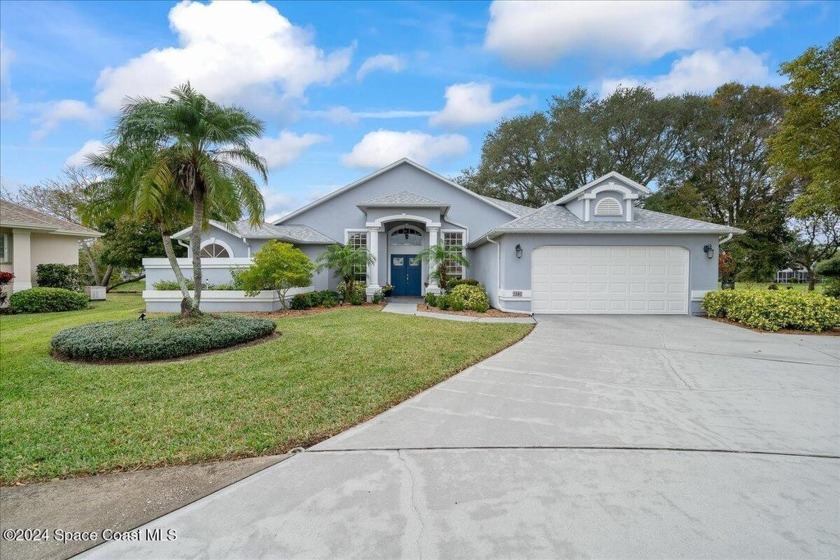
(466, 296)
(55, 275)
(47, 300)
(773, 310)
(157, 339)
(327, 298)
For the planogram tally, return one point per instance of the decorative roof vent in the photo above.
(608, 206)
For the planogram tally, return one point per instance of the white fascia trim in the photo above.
(377, 174)
(402, 217)
(206, 263)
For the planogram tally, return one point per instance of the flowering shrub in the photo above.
(774, 310)
(465, 296)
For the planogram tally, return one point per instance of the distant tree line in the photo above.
(763, 159)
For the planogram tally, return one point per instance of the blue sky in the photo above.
(347, 87)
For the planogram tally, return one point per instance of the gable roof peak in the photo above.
(610, 177)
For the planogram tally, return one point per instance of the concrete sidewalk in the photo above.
(618, 437)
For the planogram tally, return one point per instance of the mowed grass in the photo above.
(325, 373)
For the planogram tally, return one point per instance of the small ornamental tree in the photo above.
(277, 266)
(439, 258)
(726, 267)
(346, 262)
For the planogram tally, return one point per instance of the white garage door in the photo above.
(609, 280)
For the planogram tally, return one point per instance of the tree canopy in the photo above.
(277, 266)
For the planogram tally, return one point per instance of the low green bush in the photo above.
(774, 310)
(47, 300)
(467, 296)
(431, 300)
(301, 301)
(831, 287)
(358, 295)
(329, 298)
(451, 284)
(54, 275)
(157, 339)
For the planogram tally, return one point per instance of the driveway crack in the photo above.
(412, 498)
(667, 359)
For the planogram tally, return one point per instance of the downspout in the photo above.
(498, 272)
(725, 239)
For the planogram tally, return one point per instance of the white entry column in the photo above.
(373, 269)
(434, 232)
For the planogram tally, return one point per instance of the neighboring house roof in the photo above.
(518, 209)
(404, 161)
(16, 216)
(293, 233)
(559, 219)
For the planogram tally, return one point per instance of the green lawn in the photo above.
(131, 287)
(325, 373)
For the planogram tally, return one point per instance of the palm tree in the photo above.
(200, 149)
(345, 261)
(440, 257)
(122, 190)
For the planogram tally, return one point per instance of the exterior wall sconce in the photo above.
(518, 251)
(710, 251)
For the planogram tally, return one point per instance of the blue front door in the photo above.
(405, 275)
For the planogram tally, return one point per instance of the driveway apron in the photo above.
(596, 436)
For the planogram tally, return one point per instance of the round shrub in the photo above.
(55, 275)
(830, 268)
(451, 284)
(466, 296)
(301, 301)
(157, 339)
(47, 300)
(774, 310)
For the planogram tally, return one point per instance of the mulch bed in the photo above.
(291, 313)
(780, 331)
(492, 312)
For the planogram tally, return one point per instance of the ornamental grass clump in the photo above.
(158, 338)
(774, 310)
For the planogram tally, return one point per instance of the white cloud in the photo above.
(343, 115)
(471, 103)
(383, 147)
(79, 159)
(338, 115)
(286, 148)
(277, 204)
(394, 114)
(54, 112)
(380, 62)
(702, 72)
(233, 52)
(9, 102)
(539, 33)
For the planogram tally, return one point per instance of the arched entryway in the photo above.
(405, 241)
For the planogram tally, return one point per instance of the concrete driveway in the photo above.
(605, 437)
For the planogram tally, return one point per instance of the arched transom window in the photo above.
(214, 251)
(406, 237)
(608, 206)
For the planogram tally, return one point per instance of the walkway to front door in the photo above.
(405, 275)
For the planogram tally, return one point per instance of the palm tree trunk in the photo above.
(186, 303)
(195, 247)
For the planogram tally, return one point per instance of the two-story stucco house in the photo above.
(592, 251)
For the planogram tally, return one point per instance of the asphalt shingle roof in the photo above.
(403, 198)
(12, 214)
(519, 210)
(295, 233)
(553, 218)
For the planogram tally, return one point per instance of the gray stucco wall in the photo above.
(339, 213)
(516, 273)
(484, 266)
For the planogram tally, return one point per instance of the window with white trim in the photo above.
(214, 251)
(4, 248)
(453, 241)
(358, 240)
(608, 206)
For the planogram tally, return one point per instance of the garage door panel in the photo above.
(610, 279)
